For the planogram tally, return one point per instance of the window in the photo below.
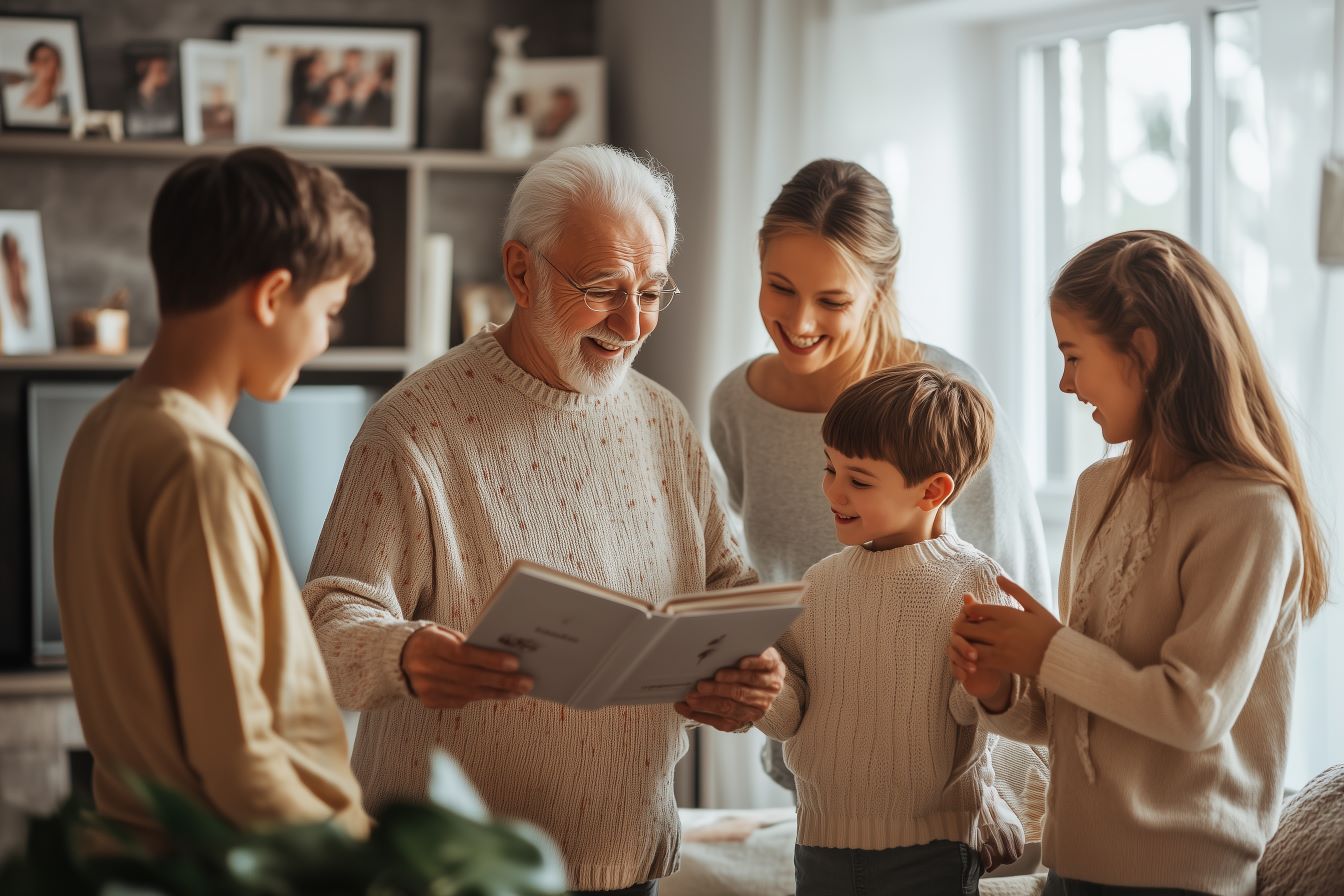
(1153, 120)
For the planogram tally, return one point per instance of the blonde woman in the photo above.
(829, 250)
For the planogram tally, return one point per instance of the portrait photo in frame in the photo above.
(42, 86)
(152, 101)
(25, 302)
(212, 91)
(355, 86)
(565, 99)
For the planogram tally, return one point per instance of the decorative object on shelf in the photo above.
(448, 845)
(565, 99)
(332, 85)
(41, 72)
(212, 90)
(25, 304)
(97, 123)
(483, 303)
(508, 131)
(431, 326)
(105, 329)
(152, 91)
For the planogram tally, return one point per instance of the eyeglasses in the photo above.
(608, 299)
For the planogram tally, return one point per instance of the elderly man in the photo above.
(535, 440)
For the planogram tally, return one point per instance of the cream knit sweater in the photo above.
(1166, 700)
(886, 747)
(462, 468)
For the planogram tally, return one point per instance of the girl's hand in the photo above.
(991, 687)
(1005, 638)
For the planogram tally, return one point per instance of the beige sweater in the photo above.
(192, 658)
(1167, 700)
(885, 745)
(464, 467)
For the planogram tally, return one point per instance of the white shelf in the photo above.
(36, 683)
(334, 359)
(433, 160)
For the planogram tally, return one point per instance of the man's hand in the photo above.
(445, 672)
(737, 695)
(1005, 638)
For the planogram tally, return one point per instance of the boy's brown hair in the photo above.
(917, 418)
(220, 222)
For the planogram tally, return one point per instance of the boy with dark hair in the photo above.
(895, 786)
(192, 658)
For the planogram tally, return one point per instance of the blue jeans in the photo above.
(1067, 886)
(940, 868)
(648, 888)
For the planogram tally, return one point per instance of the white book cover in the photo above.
(588, 647)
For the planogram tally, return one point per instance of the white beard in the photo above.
(585, 375)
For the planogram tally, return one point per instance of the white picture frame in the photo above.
(302, 89)
(34, 49)
(213, 100)
(565, 98)
(25, 299)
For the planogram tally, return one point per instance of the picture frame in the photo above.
(483, 303)
(333, 85)
(42, 71)
(152, 90)
(25, 300)
(212, 91)
(565, 98)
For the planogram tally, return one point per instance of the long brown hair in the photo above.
(1207, 395)
(846, 205)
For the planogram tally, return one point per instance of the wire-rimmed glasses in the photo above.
(607, 299)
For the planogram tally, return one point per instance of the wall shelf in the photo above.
(429, 160)
(356, 358)
(35, 683)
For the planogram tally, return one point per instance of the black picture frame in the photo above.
(334, 136)
(151, 111)
(77, 102)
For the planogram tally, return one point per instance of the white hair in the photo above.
(596, 174)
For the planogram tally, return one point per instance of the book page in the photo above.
(559, 633)
(782, 594)
(696, 645)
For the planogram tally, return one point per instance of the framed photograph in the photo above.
(25, 304)
(332, 85)
(152, 91)
(41, 72)
(565, 99)
(212, 91)
(483, 303)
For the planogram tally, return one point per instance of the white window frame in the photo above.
(1023, 329)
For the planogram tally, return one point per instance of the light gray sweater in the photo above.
(772, 459)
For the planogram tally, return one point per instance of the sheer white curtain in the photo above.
(763, 52)
(1303, 328)
(878, 82)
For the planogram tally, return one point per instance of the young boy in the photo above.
(895, 786)
(192, 657)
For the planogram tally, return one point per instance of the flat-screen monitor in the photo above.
(299, 445)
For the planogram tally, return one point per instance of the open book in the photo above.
(589, 647)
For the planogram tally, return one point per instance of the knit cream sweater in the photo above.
(1166, 700)
(885, 745)
(462, 468)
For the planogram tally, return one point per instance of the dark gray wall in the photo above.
(95, 211)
